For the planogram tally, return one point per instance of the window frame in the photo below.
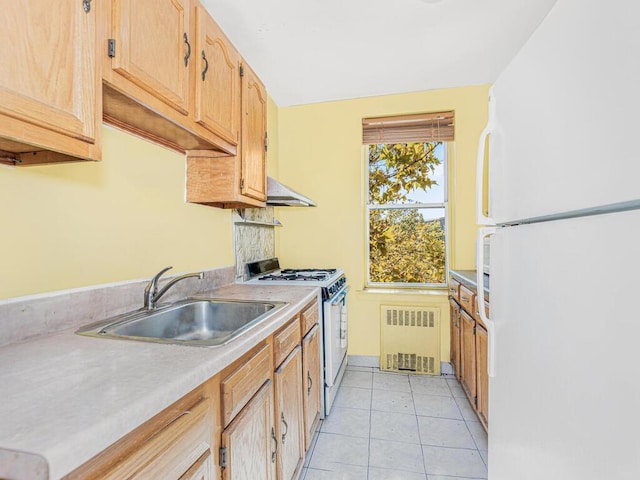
(407, 206)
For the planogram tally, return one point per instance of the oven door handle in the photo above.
(340, 295)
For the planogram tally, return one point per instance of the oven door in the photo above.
(335, 335)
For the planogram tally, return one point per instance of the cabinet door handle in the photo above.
(186, 57)
(86, 4)
(310, 383)
(286, 427)
(275, 450)
(206, 65)
(464, 299)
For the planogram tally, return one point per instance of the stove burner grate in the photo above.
(327, 271)
(294, 277)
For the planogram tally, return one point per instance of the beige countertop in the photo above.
(468, 278)
(65, 397)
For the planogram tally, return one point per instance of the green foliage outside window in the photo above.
(406, 244)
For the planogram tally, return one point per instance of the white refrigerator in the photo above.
(564, 202)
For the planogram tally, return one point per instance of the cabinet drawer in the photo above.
(467, 300)
(454, 289)
(285, 340)
(173, 451)
(309, 317)
(238, 388)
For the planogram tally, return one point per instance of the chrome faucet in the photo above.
(151, 293)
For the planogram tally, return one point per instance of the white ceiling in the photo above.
(308, 51)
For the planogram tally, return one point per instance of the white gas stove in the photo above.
(333, 322)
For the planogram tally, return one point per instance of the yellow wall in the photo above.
(320, 154)
(72, 225)
(273, 134)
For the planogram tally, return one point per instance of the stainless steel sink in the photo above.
(198, 321)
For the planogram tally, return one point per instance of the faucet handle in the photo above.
(159, 274)
(151, 289)
(152, 285)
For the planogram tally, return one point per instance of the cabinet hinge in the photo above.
(475, 401)
(241, 71)
(266, 141)
(474, 329)
(241, 183)
(111, 49)
(223, 457)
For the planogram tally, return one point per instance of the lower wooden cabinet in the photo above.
(249, 443)
(203, 469)
(468, 355)
(482, 377)
(248, 422)
(455, 338)
(469, 349)
(289, 420)
(311, 383)
(175, 444)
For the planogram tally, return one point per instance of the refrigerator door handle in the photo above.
(491, 342)
(481, 218)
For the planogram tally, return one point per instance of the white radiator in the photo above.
(410, 339)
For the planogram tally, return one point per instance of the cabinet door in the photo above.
(217, 83)
(455, 338)
(482, 387)
(311, 383)
(290, 425)
(468, 355)
(49, 74)
(250, 440)
(254, 110)
(153, 47)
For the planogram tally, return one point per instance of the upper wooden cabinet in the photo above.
(240, 181)
(151, 47)
(254, 139)
(153, 66)
(217, 83)
(50, 96)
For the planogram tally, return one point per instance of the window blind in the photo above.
(422, 127)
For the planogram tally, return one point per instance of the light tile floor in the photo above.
(389, 426)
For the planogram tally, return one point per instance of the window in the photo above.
(407, 199)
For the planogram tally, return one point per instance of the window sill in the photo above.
(437, 291)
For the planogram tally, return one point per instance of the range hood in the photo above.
(279, 195)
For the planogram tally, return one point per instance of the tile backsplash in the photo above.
(252, 241)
